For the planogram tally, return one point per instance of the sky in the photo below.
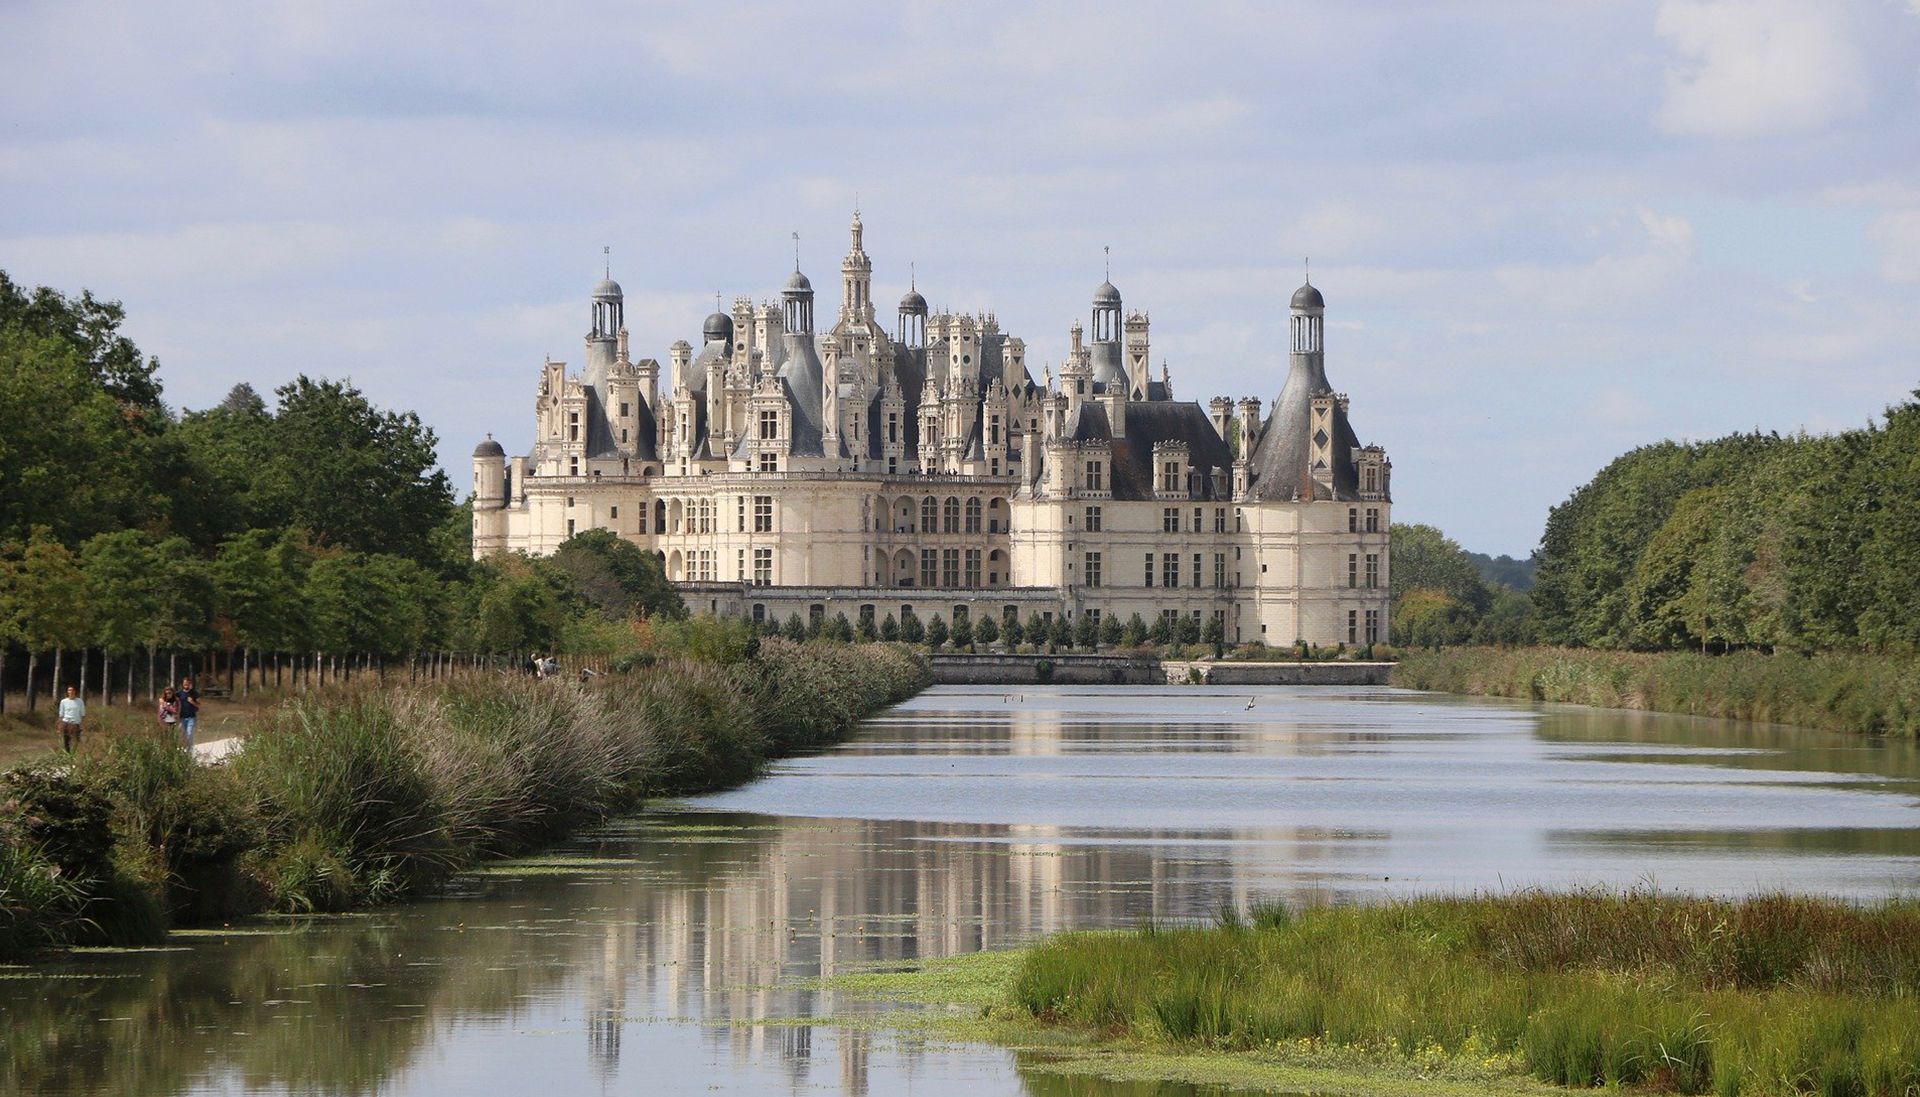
(1548, 231)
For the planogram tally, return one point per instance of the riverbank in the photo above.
(1772, 995)
(368, 796)
(1864, 694)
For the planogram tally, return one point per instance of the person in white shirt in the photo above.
(72, 711)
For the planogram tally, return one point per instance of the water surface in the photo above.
(672, 953)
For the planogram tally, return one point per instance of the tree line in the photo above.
(304, 538)
(1808, 543)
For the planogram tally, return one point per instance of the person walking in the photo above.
(73, 710)
(169, 711)
(189, 699)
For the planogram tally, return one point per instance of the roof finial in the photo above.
(716, 301)
(796, 253)
(606, 255)
(913, 277)
(856, 203)
(1308, 260)
(1109, 250)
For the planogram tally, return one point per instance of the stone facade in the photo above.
(776, 470)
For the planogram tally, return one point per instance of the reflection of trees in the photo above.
(1730, 744)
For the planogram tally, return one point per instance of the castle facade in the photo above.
(777, 470)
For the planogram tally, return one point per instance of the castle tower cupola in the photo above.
(856, 278)
(718, 328)
(1308, 311)
(912, 332)
(609, 306)
(1106, 314)
(796, 297)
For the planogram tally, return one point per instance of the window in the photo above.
(1149, 581)
(623, 436)
(763, 567)
(1219, 570)
(1196, 571)
(1091, 569)
(1353, 626)
(1373, 483)
(769, 425)
(1197, 512)
(1373, 626)
(1353, 570)
(929, 515)
(952, 512)
(741, 509)
(973, 567)
(569, 500)
(1096, 476)
(1353, 519)
(1170, 570)
(759, 612)
(613, 512)
(929, 567)
(740, 565)
(573, 426)
(624, 410)
(1373, 519)
(866, 614)
(950, 567)
(1093, 519)
(763, 514)
(993, 431)
(893, 427)
(1170, 476)
(1219, 519)
(973, 516)
(1170, 520)
(769, 462)
(816, 613)
(573, 466)
(1373, 571)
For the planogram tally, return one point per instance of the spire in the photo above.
(1108, 249)
(796, 253)
(913, 277)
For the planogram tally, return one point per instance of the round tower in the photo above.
(489, 498)
(796, 298)
(912, 332)
(1306, 329)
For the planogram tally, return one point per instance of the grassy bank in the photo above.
(367, 796)
(1867, 694)
(1772, 995)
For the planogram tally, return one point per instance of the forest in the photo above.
(1804, 543)
(314, 530)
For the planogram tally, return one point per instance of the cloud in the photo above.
(1664, 246)
(1898, 234)
(1748, 68)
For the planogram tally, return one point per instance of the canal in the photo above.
(680, 951)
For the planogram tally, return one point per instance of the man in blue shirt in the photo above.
(189, 709)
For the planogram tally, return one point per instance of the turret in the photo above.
(856, 279)
(490, 492)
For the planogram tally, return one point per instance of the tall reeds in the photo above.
(369, 795)
(1867, 694)
(1773, 995)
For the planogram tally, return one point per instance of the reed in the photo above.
(1865, 694)
(1771, 995)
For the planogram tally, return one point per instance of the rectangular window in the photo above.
(866, 613)
(763, 514)
(624, 410)
(1197, 512)
(740, 508)
(1373, 519)
(950, 567)
(763, 567)
(769, 462)
(740, 565)
(569, 527)
(1219, 519)
(1353, 519)
(1353, 570)
(1149, 569)
(769, 425)
(613, 512)
(1093, 519)
(1170, 520)
(1219, 569)
(893, 428)
(1353, 627)
(1170, 570)
(929, 567)
(1373, 571)
(973, 567)
(973, 516)
(1373, 626)
(1096, 476)
(1092, 569)
(1197, 581)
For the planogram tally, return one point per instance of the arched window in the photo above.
(929, 515)
(953, 514)
(973, 516)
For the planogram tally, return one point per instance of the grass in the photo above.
(342, 800)
(1865, 694)
(1772, 995)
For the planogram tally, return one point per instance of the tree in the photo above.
(1036, 629)
(1215, 634)
(1425, 558)
(889, 629)
(52, 609)
(617, 577)
(1426, 617)
(1188, 630)
(1015, 633)
(1111, 633)
(517, 604)
(1086, 631)
(1135, 632)
(987, 631)
(1059, 634)
(936, 632)
(864, 631)
(912, 630)
(92, 328)
(962, 635)
(1162, 632)
(795, 630)
(840, 628)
